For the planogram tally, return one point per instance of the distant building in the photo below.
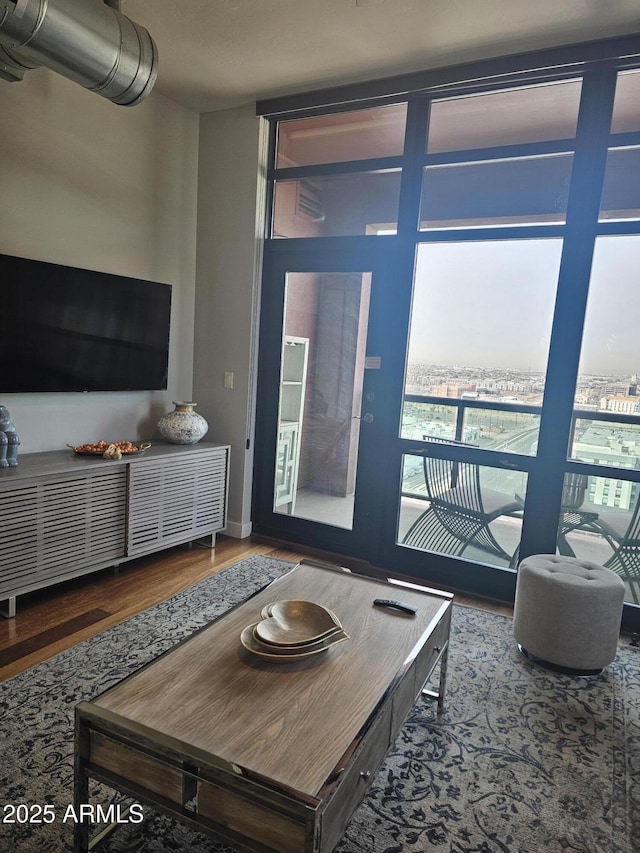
(606, 491)
(623, 404)
(446, 390)
(620, 449)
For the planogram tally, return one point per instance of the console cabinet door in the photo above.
(176, 499)
(59, 527)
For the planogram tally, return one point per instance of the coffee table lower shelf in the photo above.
(231, 803)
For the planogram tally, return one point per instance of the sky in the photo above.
(490, 304)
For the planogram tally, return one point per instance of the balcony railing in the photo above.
(600, 515)
(461, 407)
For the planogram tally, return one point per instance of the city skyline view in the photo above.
(495, 383)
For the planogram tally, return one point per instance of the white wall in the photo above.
(230, 209)
(86, 183)
(129, 191)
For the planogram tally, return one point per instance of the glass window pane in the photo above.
(480, 328)
(321, 381)
(508, 117)
(355, 135)
(610, 352)
(527, 190)
(626, 106)
(600, 522)
(461, 509)
(363, 203)
(621, 190)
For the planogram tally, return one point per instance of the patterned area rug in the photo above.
(522, 761)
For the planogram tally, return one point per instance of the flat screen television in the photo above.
(69, 329)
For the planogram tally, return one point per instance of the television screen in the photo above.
(68, 329)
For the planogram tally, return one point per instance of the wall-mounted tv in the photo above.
(69, 329)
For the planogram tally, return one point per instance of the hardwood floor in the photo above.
(56, 618)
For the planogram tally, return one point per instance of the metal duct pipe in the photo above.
(12, 67)
(86, 41)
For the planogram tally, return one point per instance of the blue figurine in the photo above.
(9, 440)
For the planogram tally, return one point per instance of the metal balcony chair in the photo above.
(460, 509)
(573, 516)
(622, 532)
(620, 529)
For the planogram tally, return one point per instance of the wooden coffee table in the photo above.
(270, 757)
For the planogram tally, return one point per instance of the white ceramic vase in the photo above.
(183, 425)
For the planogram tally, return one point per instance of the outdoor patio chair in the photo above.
(573, 516)
(622, 532)
(459, 509)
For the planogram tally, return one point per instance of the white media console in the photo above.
(63, 514)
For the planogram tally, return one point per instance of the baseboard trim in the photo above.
(238, 530)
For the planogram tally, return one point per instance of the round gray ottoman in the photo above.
(567, 613)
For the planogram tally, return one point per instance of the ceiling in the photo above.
(217, 54)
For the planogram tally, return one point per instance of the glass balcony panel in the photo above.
(600, 522)
(341, 205)
(492, 429)
(626, 106)
(470, 301)
(508, 117)
(621, 189)
(420, 420)
(461, 509)
(610, 352)
(340, 137)
(608, 442)
(519, 191)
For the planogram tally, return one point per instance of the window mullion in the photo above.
(414, 149)
(545, 485)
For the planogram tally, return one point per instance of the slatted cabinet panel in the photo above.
(174, 500)
(61, 526)
(82, 520)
